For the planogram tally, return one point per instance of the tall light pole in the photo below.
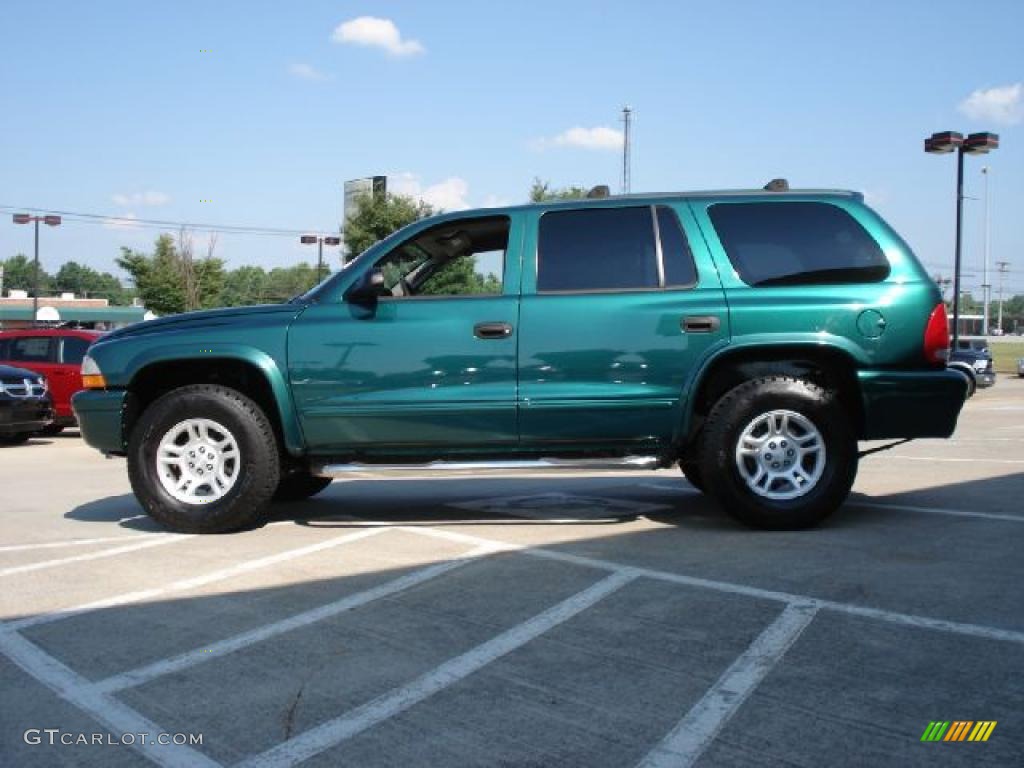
(1003, 266)
(50, 221)
(321, 242)
(986, 286)
(975, 144)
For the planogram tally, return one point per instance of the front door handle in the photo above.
(492, 330)
(701, 324)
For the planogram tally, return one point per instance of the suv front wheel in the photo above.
(778, 453)
(204, 459)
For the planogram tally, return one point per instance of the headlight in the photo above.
(92, 377)
(980, 365)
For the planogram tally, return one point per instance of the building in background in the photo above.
(354, 188)
(66, 309)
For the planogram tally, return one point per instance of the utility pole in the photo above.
(1004, 267)
(986, 285)
(627, 120)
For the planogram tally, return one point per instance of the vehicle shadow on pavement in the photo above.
(577, 501)
(123, 510)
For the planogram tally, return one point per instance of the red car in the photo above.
(57, 355)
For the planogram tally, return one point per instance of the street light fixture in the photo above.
(321, 242)
(975, 144)
(50, 221)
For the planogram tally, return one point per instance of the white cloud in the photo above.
(1002, 104)
(376, 33)
(306, 72)
(141, 198)
(599, 137)
(449, 195)
(124, 223)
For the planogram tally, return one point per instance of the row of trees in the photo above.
(71, 277)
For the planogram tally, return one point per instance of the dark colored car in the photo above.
(25, 405)
(975, 363)
(750, 337)
(55, 354)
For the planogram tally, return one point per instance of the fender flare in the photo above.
(291, 430)
(758, 344)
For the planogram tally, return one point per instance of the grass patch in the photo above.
(1005, 355)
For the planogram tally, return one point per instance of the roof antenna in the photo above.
(777, 185)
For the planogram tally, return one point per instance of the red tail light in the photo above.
(936, 336)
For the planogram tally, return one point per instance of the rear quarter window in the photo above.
(798, 243)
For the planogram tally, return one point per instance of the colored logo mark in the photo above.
(958, 730)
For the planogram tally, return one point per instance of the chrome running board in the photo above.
(360, 470)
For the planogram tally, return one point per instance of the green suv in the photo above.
(751, 337)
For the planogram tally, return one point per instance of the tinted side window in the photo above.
(30, 349)
(602, 249)
(797, 244)
(73, 350)
(680, 270)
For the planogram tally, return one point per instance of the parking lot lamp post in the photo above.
(50, 221)
(321, 242)
(975, 144)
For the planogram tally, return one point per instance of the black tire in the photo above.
(51, 431)
(691, 471)
(967, 373)
(15, 438)
(738, 409)
(258, 464)
(299, 486)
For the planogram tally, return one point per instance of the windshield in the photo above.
(311, 293)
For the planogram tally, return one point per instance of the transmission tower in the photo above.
(627, 120)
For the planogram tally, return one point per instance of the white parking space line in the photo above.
(880, 614)
(157, 540)
(333, 732)
(118, 717)
(193, 582)
(937, 511)
(685, 743)
(954, 460)
(244, 640)
(74, 542)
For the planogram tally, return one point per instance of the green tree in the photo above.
(89, 283)
(244, 285)
(18, 272)
(165, 279)
(378, 216)
(542, 191)
(285, 282)
(459, 278)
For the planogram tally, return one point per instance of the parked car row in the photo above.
(52, 356)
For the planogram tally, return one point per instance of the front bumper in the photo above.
(100, 414)
(985, 378)
(910, 403)
(24, 415)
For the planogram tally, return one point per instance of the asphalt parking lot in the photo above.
(573, 621)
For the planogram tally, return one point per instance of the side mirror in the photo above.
(369, 288)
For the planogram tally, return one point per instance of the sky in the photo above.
(254, 113)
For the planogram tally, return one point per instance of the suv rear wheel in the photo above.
(778, 453)
(204, 459)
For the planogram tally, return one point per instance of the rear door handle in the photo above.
(492, 330)
(701, 324)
